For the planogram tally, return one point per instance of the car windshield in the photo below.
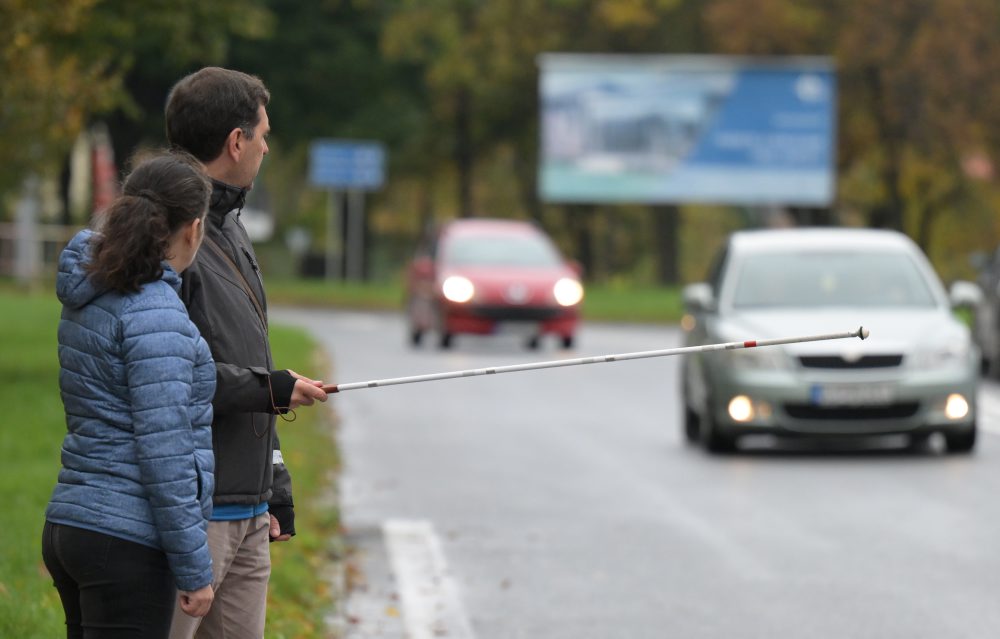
(821, 279)
(501, 250)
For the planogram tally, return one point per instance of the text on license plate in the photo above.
(517, 328)
(851, 394)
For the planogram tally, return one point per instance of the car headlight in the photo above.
(941, 356)
(568, 291)
(458, 289)
(757, 359)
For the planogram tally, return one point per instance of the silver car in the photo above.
(916, 374)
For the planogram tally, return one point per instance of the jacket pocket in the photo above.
(206, 487)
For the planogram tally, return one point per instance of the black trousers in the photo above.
(110, 588)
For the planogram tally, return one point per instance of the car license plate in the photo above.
(519, 329)
(852, 394)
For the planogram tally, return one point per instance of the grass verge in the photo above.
(31, 436)
(605, 303)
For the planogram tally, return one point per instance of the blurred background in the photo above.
(640, 136)
(451, 93)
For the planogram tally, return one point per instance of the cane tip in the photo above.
(863, 332)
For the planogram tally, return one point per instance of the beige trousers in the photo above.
(241, 566)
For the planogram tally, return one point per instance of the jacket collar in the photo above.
(225, 198)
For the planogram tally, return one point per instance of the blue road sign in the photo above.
(347, 164)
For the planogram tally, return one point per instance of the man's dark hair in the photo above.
(205, 106)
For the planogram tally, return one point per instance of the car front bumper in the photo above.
(861, 403)
(485, 320)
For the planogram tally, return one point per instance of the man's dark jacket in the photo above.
(248, 392)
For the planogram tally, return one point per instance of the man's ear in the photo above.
(234, 144)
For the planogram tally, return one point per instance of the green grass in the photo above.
(320, 293)
(632, 304)
(30, 439)
(299, 594)
(607, 303)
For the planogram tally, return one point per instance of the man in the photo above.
(219, 116)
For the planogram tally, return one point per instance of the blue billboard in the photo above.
(676, 129)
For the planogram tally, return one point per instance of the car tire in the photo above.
(961, 442)
(992, 367)
(692, 426)
(567, 341)
(416, 336)
(445, 341)
(713, 440)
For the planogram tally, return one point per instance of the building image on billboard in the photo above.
(686, 129)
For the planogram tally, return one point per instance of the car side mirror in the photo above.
(964, 294)
(698, 298)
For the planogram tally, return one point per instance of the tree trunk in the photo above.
(889, 214)
(667, 245)
(464, 152)
(526, 174)
(811, 216)
(578, 220)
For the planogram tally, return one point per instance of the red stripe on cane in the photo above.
(750, 343)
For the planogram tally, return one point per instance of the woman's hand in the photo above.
(198, 602)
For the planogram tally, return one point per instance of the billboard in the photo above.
(676, 129)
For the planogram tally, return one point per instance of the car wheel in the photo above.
(533, 343)
(445, 341)
(692, 428)
(567, 341)
(416, 336)
(713, 440)
(993, 367)
(961, 442)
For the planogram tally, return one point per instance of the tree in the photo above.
(64, 62)
(916, 92)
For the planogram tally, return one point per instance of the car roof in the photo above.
(837, 238)
(481, 225)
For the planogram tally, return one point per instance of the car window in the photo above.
(500, 250)
(716, 270)
(799, 279)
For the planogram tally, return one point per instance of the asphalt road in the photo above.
(564, 503)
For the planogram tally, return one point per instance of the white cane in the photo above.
(861, 332)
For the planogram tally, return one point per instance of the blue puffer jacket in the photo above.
(137, 382)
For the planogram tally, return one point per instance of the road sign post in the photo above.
(352, 166)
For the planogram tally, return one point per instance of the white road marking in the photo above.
(988, 405)
(427, 592)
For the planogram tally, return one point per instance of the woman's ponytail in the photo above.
(160, 196)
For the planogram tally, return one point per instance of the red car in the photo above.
(484, 276)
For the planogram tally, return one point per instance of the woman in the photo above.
(126, 526)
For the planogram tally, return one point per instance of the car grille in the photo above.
(836, 361)
(900, 410)
(515, 313)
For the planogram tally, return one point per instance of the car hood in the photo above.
(891, 330)
(494, 275)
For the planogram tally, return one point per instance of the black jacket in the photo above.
(248, 392)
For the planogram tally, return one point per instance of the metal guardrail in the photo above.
(50, 240)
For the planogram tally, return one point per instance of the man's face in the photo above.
(256, 149)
